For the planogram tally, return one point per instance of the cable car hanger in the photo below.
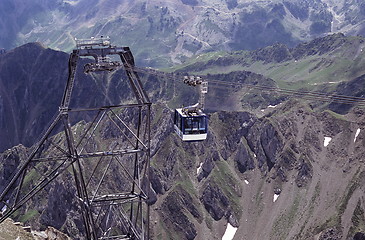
(190, 123)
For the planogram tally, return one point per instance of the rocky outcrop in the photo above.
(50, 234)
(244, 160)
(10, 160)
(276, 53)
(266, 143)
(331, 234)
(175, 212)
(207, 166)
(215, 202)
(352, 88)
(60, 204)
(359, 236)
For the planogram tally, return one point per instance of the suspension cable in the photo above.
(309, 95)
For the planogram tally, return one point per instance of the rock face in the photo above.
(359, 236)
(10, 160)
(26, 83)
(175, 212)
(215, 202)
(59, 205)
(243, 159)
(354, 87)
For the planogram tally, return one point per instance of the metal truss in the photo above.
(111, 177)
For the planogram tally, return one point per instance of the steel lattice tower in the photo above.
(110, 209)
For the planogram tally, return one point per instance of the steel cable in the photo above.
(309, 95)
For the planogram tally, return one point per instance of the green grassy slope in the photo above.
(321, 63)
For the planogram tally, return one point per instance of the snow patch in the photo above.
(72, 2)
(245, 124)
(230, 232)
(199, 168)
(357, 134)
(4, 208)
(41, 234)
(247, 182)
(275, 197)
(327, 141)
(271, 106)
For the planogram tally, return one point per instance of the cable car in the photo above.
(190, 123)
(190, 126)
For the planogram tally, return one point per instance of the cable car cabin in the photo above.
(190, 126)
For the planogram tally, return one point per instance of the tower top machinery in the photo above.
(111, 179)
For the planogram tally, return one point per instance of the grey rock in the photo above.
(156, 182)
(174, 215)
(214, 200)
(271, 144)
(359, 236)
(208, 165)
(243, 159)
(59, 204)
(331, 234)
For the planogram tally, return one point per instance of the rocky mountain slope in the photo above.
(272, 177)
(295, 170)
(272, 167)
(26, 99)
(165, 32)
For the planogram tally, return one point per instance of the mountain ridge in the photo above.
(321, 65)
(166, 33)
